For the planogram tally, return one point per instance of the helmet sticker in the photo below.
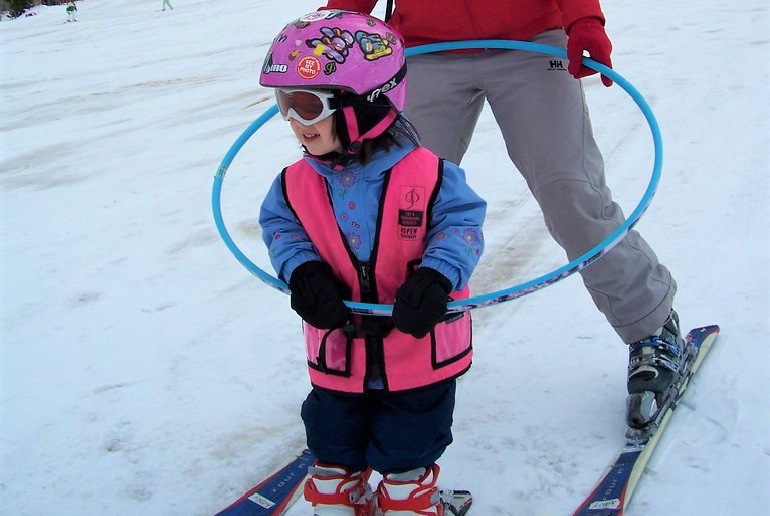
(373, 45)
(334, 44)
(270, 67)
(308, 67)
(330, 68)
(320, 15)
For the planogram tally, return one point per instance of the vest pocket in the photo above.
(451, 340)
(328, 351)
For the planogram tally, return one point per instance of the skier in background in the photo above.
(167, 3)
(368, 214)
(72, 9)
(544, 121)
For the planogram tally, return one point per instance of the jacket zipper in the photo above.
(374, 346)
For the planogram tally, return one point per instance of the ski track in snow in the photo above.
(144, 371)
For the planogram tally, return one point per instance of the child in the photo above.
(369, 215)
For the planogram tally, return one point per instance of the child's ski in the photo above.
(616, 486)
(456, 502)
(274, 495)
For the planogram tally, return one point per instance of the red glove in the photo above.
(588, 34)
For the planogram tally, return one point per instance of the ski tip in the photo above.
(712, 328)
(702, 333)
(456, 501)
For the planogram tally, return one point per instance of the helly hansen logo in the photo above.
(556, 65)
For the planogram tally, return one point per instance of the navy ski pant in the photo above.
(387, 431)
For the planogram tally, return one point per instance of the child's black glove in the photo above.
(421, 302)
(317, 296)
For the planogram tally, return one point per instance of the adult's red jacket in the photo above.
(432, 21)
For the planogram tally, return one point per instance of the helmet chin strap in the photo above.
(356, 138)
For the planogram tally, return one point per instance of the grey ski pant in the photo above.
(542, 115)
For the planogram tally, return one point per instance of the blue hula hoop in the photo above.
(498, 296)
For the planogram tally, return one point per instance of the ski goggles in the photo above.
(305, 106)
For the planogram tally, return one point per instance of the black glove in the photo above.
(421, 302)
(317, 296)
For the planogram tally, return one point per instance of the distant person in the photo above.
(71, 10)
(166, 3)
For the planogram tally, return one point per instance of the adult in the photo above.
(541, 111)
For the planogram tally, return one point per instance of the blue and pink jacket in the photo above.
(374, 224)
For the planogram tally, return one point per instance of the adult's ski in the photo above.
(275, 494)
(616, 486)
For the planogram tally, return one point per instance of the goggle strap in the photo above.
(391, 83)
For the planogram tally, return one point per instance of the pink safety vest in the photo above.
(338, 362)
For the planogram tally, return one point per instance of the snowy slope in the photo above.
(144, 371)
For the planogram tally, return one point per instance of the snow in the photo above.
(144, 371)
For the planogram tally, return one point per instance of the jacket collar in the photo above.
(380, 161)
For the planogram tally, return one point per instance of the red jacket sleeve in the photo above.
(431, 21)
(362, 6)
(573, 10)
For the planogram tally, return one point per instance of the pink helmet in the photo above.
(335, 49)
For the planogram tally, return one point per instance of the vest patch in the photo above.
(411, 211)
